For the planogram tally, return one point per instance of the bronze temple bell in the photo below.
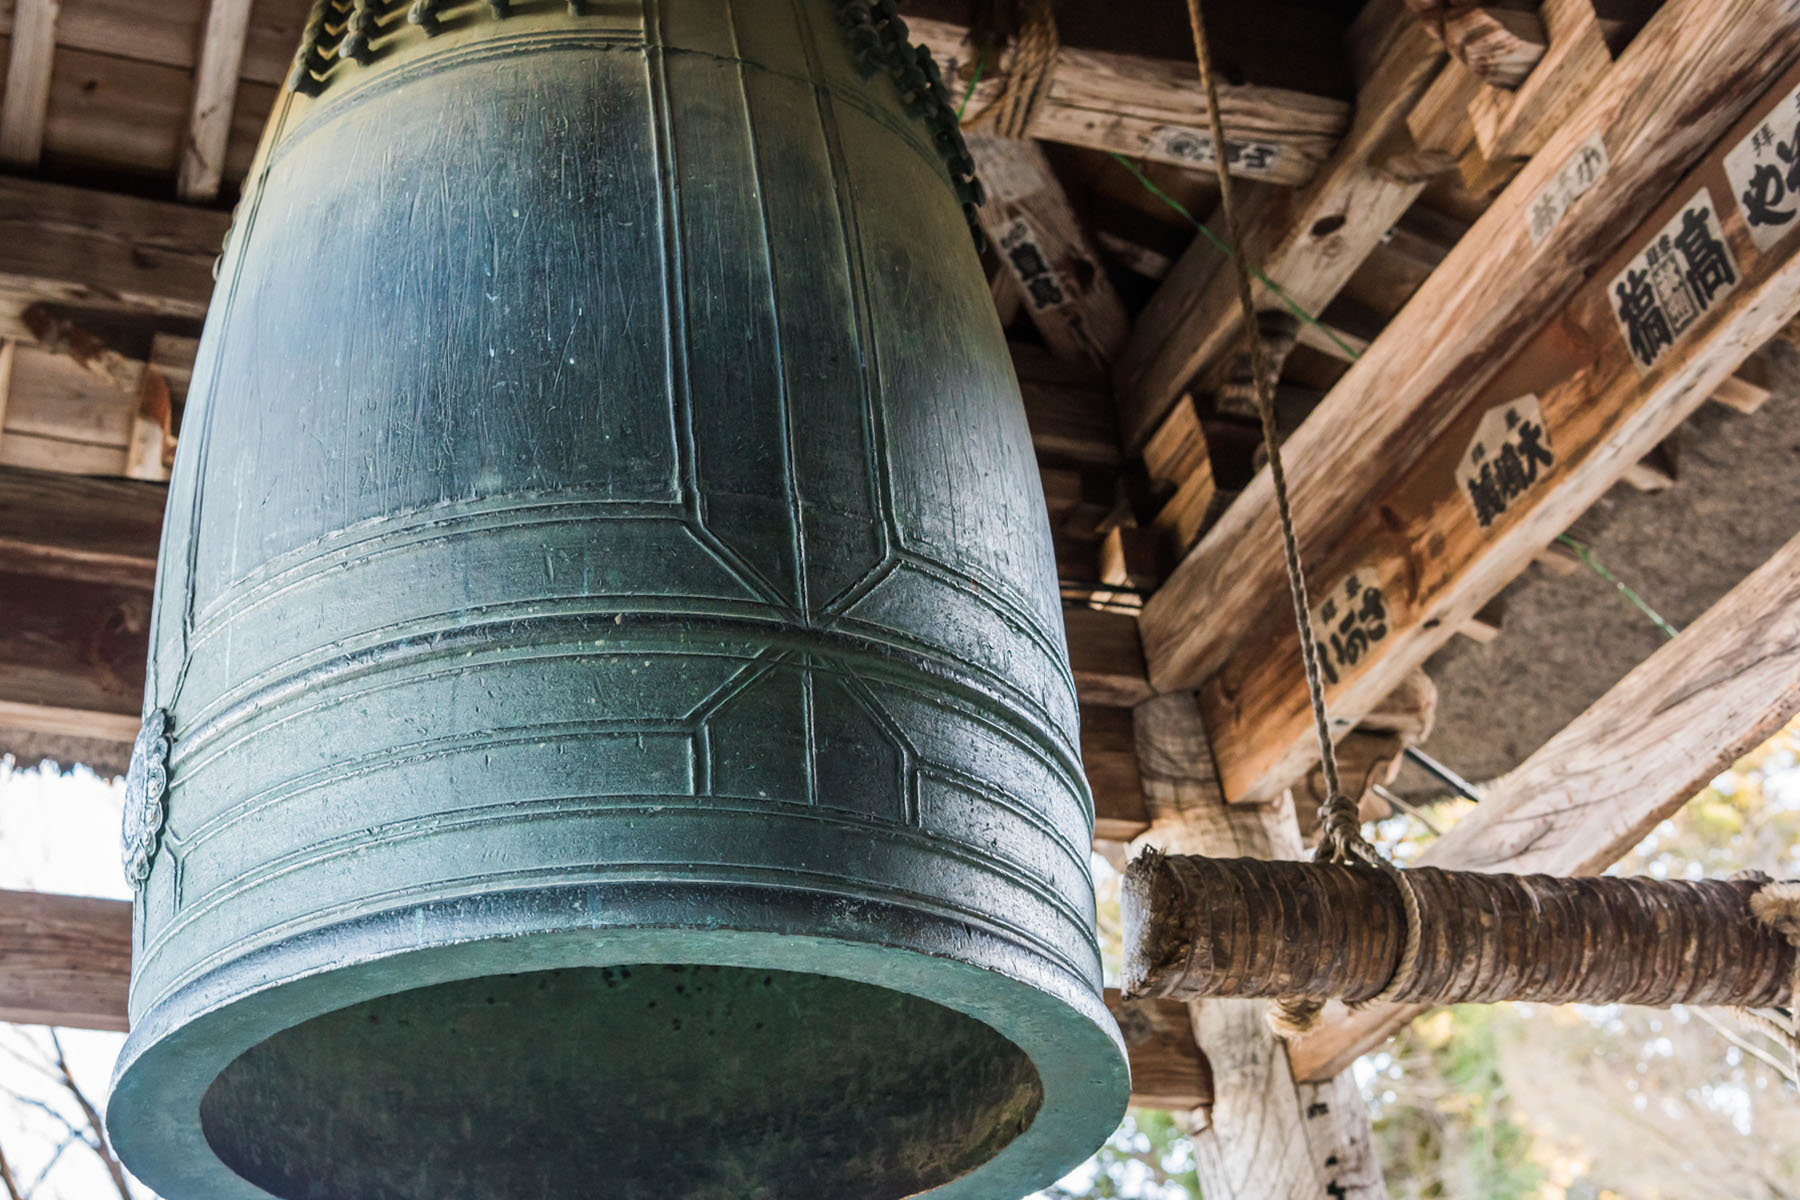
(609, 729)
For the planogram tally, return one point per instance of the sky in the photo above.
(58, 833)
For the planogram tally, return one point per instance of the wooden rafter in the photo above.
(26, 99)
(1153, 108)
(1424, 540)
(1310, 246)
(1703, 61)
(1592, 792)
(1043, 246)
(214, 97)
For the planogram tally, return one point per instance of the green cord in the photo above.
(1587, 556)
(1223, 248)
(962, 108)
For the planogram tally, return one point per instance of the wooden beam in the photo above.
(1068, 409)
(27, 96)
(67, 527)
(1153, 108)
(1310, 245)
(67, 644)
(64, 960)
(1106, 657)
(68, 722)
(102, 252)
(1109, 755)
(214, 97)
(1592, 792)
(1704, 61)
(1270, 1138)
(1043, 246)
(1517, 124)
(1167, 1069)
(1578, 401)
(1748, 388)
(1500, 45)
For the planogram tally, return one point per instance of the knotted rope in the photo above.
(1340, 837)
(1777, 905)
(1027, 79)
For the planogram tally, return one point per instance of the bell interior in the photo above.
(587, 1081)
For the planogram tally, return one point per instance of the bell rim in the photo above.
(1059, 1022)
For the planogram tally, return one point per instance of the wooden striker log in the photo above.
(1198, 927)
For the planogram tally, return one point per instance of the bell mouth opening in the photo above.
(639, 1081)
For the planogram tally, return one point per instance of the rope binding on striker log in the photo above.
(1341, 839)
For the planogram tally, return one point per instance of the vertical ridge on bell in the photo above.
(737, 391)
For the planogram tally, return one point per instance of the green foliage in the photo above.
(1147, 1158)
(1443, 1117)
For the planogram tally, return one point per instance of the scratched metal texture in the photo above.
(605, 531)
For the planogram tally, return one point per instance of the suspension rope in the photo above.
(1340, 838)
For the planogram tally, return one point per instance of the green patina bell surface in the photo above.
(610, 733)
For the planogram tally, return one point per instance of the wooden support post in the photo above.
(1269, 1138)
(27, 95)
(214, 98)
(1044, 248)
(1430, 550)
(1705, 61)
(1310, 244)
(1591, 793)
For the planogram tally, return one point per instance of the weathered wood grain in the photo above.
(1109, 756)
(1309, 244)
(1420, 538)
(26, 98)
(1167, 1069)
(1105, 655)
(214, 100)
(1518, 124)
(103, 252)
(1500, 45)
(64, 960)
(66, 527)
(71, 644)
(1591, 793)
(1681, 83)
(1153, 108)
(1047, 251)
(1269, 1138)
